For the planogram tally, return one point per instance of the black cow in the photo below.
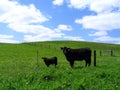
(49, 61)
(77, 54)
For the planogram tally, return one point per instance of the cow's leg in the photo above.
(72, 64)
(88, 61)
(55, 64)
(48, 65)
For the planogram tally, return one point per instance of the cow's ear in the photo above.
(61, 48)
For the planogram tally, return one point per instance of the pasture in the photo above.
(20, 70)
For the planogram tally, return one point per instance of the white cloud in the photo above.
(108, 39)
(95, 5)
(58, 2)
(31, 29)
(46, 34)
(102, 36)
(99, 33)
(104, 6)
(13, 12)
(42, 37)
(107, 14)
(27, 19)
(108, 21)
(7, 39)
(6, 36)
(39, 32)
(74, 38)
(106, 18)
(31, 38)
(22, 18)
(43, 33)
(79, 4)
(63, 27)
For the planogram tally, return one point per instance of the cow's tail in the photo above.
(94, 57)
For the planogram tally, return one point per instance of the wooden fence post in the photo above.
(111, 52)
(100, 53)
(94, 57)
(37, 65)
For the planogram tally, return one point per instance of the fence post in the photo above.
(111, 52)
(94, 57)
(100, 53)
(37, 65)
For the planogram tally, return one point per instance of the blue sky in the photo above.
(46, 20)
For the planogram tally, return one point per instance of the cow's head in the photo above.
(65, 49)
(44, 58)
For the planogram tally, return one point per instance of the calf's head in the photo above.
(43, 57)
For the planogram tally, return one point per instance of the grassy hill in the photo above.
(19, 71)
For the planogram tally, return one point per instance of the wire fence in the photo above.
(111, 52)
(43, 46)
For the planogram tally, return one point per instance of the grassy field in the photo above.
(19, 69)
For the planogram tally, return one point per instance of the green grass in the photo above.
(18, 68)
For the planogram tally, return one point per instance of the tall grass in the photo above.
(18, 68)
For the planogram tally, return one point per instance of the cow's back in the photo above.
(81, 53)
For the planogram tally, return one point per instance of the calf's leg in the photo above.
(72, 64)
(55, 63)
